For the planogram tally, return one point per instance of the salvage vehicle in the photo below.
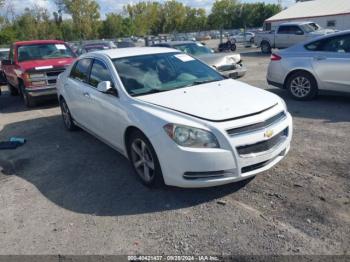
(33, 66)
(229, 65)
(316, 65)
(286, 35)
(175, 118)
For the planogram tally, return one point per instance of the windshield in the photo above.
(308, 28)
(155, 73)
(194, 49)
(315, 26)
(43, 51)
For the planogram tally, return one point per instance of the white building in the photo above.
(333, 14)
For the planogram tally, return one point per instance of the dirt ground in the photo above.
(69, 193)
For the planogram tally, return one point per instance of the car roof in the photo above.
(132, 51)
(4, 49)
(34, 42)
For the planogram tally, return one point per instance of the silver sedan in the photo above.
(309, 67)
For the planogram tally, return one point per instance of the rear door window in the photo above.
(81, 70)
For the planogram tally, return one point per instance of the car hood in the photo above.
(217, 101)
(219, 59)
(45, 64)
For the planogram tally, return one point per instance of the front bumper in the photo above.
(198, 167)
(41, 91)
(236, 73)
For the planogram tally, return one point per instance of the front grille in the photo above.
(54, 73)
(261, 125)
(264, 145)
(52, 81)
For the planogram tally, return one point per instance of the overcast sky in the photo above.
(108, 6)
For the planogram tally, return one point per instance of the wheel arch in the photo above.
(127, 133)
(299, 70)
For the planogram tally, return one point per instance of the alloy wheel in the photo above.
(300, 86)
(142, 160)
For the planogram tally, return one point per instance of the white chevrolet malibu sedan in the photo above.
(175, 118)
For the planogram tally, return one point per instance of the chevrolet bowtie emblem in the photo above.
(268, 133)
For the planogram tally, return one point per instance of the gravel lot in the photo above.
(69, 193)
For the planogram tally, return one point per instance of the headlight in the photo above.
(191, 137)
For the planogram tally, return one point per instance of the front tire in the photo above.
(67, 117)
(302, 86)
(27, 99)
(12, 89)
(144, 160)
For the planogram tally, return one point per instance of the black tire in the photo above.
(67, 117)
(233, 47)
(155, 179)
(306, 89)
(252, 40)
(13, 90)
(28, 100)
(265, 47)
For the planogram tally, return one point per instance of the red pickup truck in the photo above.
(32, 68)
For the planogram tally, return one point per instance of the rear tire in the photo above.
(144, 160)
(302, 86)
(67, 117)
(265, 47)
(233, 47)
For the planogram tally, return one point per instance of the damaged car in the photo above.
(229, 65)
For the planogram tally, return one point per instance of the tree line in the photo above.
(81, 19)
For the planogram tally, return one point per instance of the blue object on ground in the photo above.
(19, 140)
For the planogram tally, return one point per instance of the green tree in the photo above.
(112, 27)
(174, 16)
(85, 15)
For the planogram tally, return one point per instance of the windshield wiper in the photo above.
(199, 82)
(152, 91)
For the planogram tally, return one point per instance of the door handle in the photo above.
(319, 58)
(86, 94)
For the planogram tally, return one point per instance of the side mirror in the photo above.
(106, 87)
(6, 62)
(299, 32)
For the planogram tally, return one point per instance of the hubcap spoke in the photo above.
(146, 173)
(136, 150)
